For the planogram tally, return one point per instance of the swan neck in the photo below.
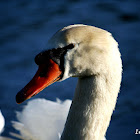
(91, 109)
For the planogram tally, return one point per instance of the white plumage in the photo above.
(95, 59)
(42, 119)
(2, 122)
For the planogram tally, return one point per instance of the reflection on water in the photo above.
(26, 26)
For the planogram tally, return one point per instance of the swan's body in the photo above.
(92, 55)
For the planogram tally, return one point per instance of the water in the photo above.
(25, 27)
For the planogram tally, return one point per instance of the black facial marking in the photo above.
(57, 55)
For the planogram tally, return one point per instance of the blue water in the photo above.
(25, 27)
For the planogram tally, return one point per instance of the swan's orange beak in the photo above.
(46, 75)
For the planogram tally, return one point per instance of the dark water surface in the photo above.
(25, 27)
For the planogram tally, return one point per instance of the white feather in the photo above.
(42, 119)
(2, 122)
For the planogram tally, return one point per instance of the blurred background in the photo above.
(25, 27)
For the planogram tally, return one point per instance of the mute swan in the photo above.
(92, 55)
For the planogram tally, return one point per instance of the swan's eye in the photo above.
(70, 46)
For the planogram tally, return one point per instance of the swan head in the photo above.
(78, 51)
